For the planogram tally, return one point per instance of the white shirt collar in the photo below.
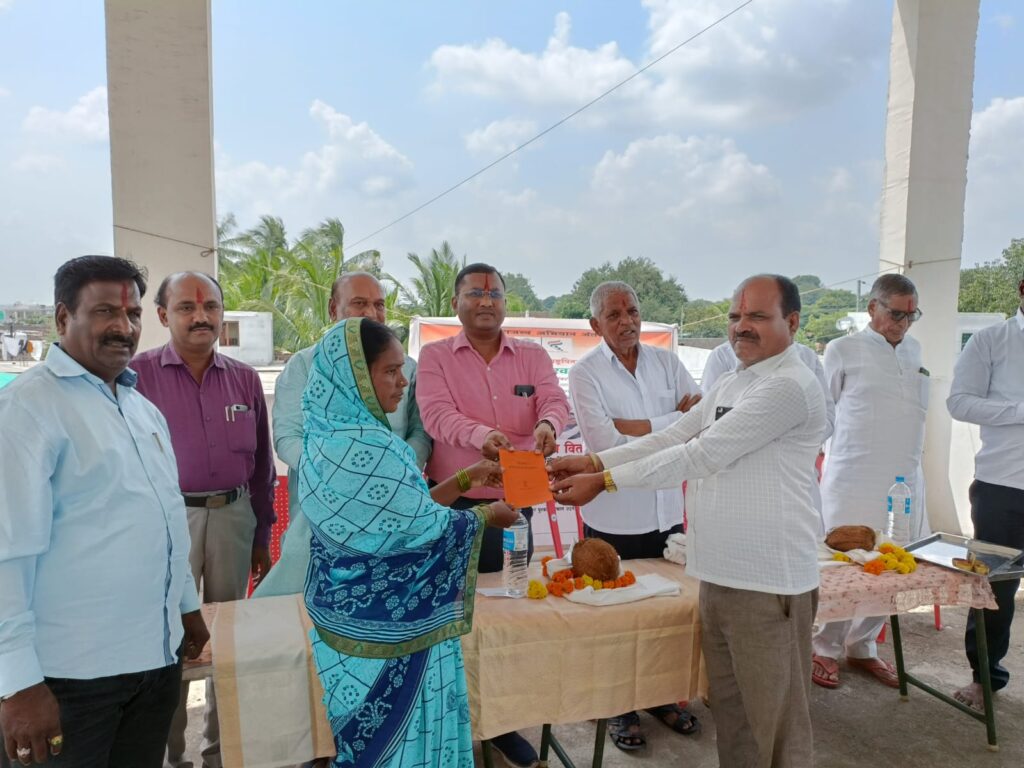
(764, 367)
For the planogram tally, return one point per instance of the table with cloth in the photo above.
(527, 662)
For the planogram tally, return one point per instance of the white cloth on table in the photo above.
(648, 585)
(675, 548)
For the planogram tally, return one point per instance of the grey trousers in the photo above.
(221, 557)
(757, 647)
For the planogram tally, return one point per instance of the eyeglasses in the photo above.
(899, 316)
(479, 293)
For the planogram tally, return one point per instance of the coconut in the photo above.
(595, 558)
(847, 537)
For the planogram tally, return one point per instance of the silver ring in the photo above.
(24, 752)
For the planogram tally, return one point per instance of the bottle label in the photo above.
(514, 539)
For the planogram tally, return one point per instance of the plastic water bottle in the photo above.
(899, 502)
(515, 546)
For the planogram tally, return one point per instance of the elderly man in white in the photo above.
(622, 390)
(881, 395)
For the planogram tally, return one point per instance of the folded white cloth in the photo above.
(675, 548)
(857, 556)
(648, 585)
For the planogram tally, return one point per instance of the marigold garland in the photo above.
(544, 565)
(892, 558)
(535, 590)
(562, 583)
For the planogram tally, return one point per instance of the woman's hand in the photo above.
(485, 472)
(501, 515)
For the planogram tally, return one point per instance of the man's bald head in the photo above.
(357, 294)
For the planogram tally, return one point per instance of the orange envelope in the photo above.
(525, 478)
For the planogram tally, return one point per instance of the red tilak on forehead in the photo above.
(200, 298)
(743, 300)
(124, 295)
(487, 282)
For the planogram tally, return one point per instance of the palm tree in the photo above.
(434, 283)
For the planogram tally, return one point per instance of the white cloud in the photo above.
(683, 176)
(767, 62)
(1004, 20)
(38, 163)
(5, 5)
(500, 137)
(354, 161)
(85, 121)
(4, 92)
(995, 180)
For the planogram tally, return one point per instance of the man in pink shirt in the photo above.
(480, 391)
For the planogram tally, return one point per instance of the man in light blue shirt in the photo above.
(97, 594)
(354, 294)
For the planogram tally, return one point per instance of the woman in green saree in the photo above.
(392, 573)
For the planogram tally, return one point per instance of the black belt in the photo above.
(215, 501)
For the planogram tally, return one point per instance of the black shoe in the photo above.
(516, 750)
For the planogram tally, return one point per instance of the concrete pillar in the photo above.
(161, 140)
(931, 79)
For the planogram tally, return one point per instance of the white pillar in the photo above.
(931, 76)
(161, 140)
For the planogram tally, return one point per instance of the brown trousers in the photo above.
(757, 647)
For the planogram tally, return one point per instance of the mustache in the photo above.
(197, 326)
(748, 335)
(113, 338)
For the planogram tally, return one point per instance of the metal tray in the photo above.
(940, 548)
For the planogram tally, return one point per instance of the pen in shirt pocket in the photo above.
(159, 444)
(231, 410)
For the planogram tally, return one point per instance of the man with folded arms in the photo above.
(480, 391)
(745, 450)
(215, 409)
(621, 390)
(97, 601)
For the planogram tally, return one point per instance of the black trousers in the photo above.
(491, 556)
(998, 515)
(120, 721)
(635, 546)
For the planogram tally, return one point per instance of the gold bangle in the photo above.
(462, 477)
(596, 462)
(609, 484)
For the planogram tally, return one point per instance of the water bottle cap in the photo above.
(900, 479)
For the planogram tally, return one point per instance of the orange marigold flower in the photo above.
(629, 578)
(555, 588)
(887, 548)
(609, 585)
(875, 567)
(563, 575)
(567, 586)
(579, 583)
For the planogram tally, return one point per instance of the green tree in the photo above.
(434, 282)
(518, 285)
(261, 272)
(992, 287)
(661, 297)
(703, 319)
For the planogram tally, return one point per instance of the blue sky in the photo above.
(759, 146)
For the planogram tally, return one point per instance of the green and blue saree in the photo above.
(391, 577)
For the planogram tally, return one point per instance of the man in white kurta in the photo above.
(881, 394)
(622, 390)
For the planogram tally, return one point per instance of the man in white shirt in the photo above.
(753, 529)
(881, 395)
(723, 359)
(988, 389)
(622, 390)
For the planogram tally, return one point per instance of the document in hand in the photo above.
(525, 478)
